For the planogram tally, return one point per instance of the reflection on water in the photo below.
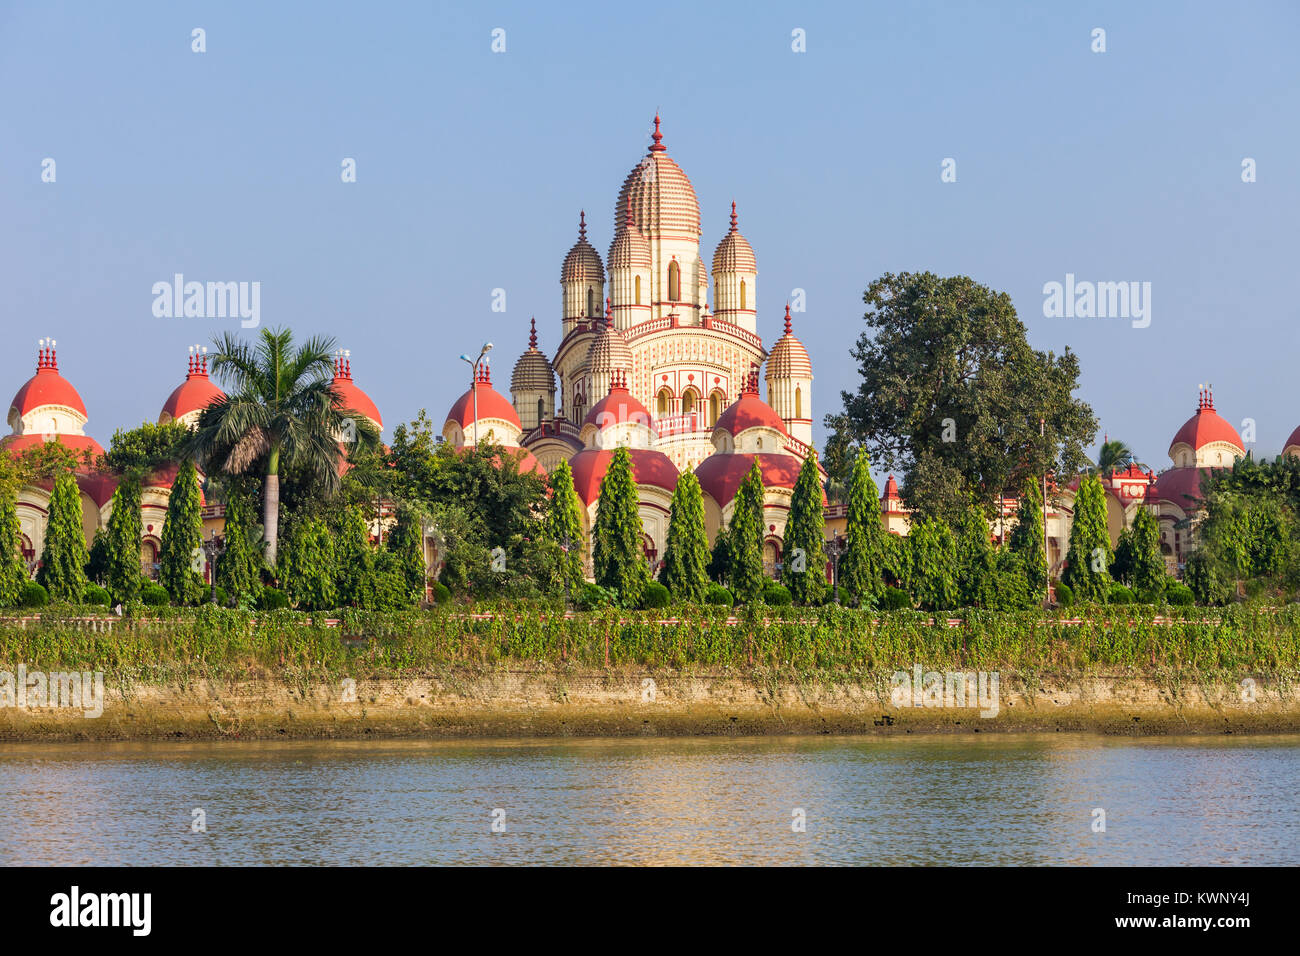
(934, 800)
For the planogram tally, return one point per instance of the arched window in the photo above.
(591, 302)
(715, 408)
(798, 402)
(674, 281)
(688, 402)
(664, 397)
(637, 284)
(742, 294)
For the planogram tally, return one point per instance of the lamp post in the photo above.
(474, 364)
(835, 549)
(212, 548)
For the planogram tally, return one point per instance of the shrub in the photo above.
(154, 595)
(441, 593)
(777, 595)
(1179, 595)
(272, 599)
(223, 597)
(591, 596)
(717, 594)
(655, 595)
(1064, 594)
(95, 595)
(34, 595)
(896, 599)
(1120, 595)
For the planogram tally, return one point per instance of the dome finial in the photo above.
(658, 146)
(609, 314)
(788, 330)
(582, 225)
(532, 335)
(733, 215)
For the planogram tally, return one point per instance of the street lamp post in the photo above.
(474, 364)
(212, 548)
(835, 549)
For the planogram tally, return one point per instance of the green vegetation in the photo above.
(745, 539)
(805, 533)
(1087, 568)
(63, 562)
(182, 534)
(686, 553)
(617, 552)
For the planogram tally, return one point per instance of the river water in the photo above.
(981, 799)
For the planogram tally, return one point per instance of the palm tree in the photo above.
(1113, 456)
(279, 413)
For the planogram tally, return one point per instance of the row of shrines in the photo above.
(647, 360)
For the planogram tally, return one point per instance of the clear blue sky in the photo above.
(472, 167)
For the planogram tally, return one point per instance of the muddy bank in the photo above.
(634, 703)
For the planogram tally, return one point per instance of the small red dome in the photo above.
(1207, 426)
(47, 387)
(491, 404)
(1294, 440)
(720, 475)
(649, 467)
(749, 411)
(192, 395)
(352, 398)
(618, 407)
(17, 444)
(1178, 486)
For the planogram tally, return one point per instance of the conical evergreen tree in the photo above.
(63, 560)
(13, 570)
(125, 530)
(745, 539)
(181, 536)
(976, 567)
(686, 555)
(932, 564)
(617, 553)
(862, 564)
(1148, 573)
(1087, 570)
(308, 566)
(353, 558)
(720, 558)
(564, 523)
(406, 543)
(237, 565)
(803, 563)
(1026, 538)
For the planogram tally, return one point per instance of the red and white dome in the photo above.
(630, 248)
(493, 408)
(1292, 444)
(749, 424)
(1193, 444)
(46, 389)
(582, 263)
(720, 475)
(734, 253)
(650, 468)
(789, 358)
(188, 399)
(662, 197)
(351, 398)
(48, 408)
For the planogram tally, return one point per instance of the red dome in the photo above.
(353, 399)
(47, 387)
(17, 444)
(1207, 426)
(1179, 486)
(618, 407)
(192, 395)
(720, 475)
(525, 459)
(1293, 440)
(491, 404)
(749, 411)
(649, 467)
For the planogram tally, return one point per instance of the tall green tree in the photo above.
(745, 539)
(63, 560)
(686, 554)
(1138, 562)
(182, 535)
(1027, 536)
(406, 545)
(122, 547)
(13, 570)
(617, 553)
(862, 564)
(803, 565)
(720, 557)
(931, 567)
(976, 560)
(564, 526)
(1089, 559)
(309, 568)
(951, 394)
(281, 411)
(354, 557)
(237, 565)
